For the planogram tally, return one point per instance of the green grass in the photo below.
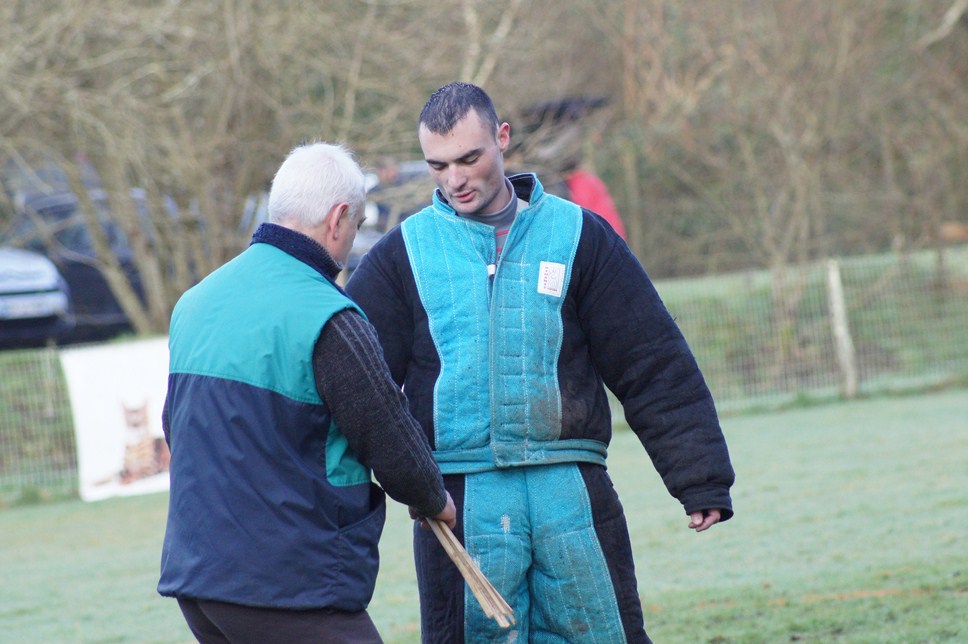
(850, 527)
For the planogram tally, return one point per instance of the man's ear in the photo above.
(336, 215)
(504, 137)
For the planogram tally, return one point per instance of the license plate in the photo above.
(34, 305)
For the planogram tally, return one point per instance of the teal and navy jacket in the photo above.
(268, 507)
(505, 360)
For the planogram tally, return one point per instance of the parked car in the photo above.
(47, 219)
(35, 303)
(96, 311)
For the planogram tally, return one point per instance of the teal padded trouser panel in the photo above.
(532, 528)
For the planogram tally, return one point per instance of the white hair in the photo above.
(314, 178)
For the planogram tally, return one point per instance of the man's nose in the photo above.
(455, 177)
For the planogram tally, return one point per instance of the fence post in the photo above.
(843, 343)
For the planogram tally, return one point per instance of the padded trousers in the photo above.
(553, 540)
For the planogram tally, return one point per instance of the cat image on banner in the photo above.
(145, 454)
(117, 391)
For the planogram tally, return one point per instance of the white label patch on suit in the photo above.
(551, 278)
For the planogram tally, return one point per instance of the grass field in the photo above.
(850, 526)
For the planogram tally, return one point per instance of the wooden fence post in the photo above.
(843, 343)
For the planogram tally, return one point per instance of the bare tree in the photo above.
(738, 134)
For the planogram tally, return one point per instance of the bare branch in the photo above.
(951, 17)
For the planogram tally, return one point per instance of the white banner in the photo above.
(117, 392)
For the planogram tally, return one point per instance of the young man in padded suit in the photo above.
(504, 312)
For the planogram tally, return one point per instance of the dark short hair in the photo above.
(452, 102)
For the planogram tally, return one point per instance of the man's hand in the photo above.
(704, 519)
(448, 515)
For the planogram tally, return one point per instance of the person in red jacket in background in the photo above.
(588, 191)
(555, 133)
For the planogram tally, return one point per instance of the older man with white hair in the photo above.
(279, 406)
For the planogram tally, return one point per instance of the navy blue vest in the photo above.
(268, 507)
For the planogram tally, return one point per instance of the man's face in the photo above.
(467, 164)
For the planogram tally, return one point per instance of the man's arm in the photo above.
(371, 411)
(378, 288)
(644, 359)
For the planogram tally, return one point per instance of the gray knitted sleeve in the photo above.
(371, 411)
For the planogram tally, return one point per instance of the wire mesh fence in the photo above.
(769, 338)
(764, 339)
(38, 458)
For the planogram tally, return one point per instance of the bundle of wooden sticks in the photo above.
(487, 596)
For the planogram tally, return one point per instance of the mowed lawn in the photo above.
(851, 526)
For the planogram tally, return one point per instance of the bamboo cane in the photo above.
(487, 596)
(494, 597)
